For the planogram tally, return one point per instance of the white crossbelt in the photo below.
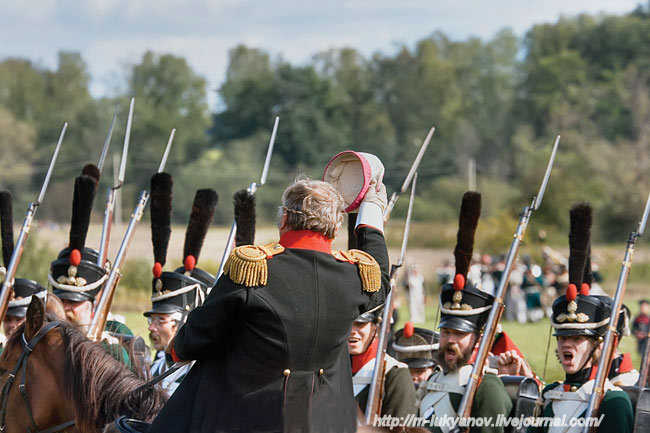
(573, 404)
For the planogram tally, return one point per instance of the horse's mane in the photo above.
(102, 388)
(99, 387)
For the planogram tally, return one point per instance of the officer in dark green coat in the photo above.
(271, 340)
(580, 320)
(398, 395)
(464, 309)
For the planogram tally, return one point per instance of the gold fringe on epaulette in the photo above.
(370, 277)
(246, 270)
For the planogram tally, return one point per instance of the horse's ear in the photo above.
(54, 306)
(35, 317)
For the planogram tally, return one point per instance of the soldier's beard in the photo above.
(462, 357)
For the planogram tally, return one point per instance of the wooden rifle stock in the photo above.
(611, 335)
(98, 322)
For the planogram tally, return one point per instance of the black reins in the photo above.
(28, 348)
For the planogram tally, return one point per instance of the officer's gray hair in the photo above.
(312, 205)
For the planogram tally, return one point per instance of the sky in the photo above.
(112, 34)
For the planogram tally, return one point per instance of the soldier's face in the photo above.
(79, 312)
(161, 330)
(10, 323)
(361, 336)
(574, 352)
(455, 348)
(420, 374)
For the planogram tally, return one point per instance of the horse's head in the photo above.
(35, 355)
(68, 377)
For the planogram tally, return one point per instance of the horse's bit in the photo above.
(28, 347)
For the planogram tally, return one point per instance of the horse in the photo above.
(59, 376)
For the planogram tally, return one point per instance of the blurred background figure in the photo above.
(641, 325)
(414, 284)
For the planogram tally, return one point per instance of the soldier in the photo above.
(580, 320)
(270, 339)
(414, 347)
(23, 289)
(398, 398)
(75, 276)
(463, 313)
(175, 293)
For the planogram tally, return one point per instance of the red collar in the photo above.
(358, 361)
(306, 240)
(626, 364)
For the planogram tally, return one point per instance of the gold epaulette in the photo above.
(247, 264)
(369, 269)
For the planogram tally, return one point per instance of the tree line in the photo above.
(500, 101)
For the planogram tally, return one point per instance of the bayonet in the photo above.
(410, 174)
(161, 167)
(107, 141)
(112, 192)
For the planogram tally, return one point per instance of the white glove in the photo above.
(373, 205)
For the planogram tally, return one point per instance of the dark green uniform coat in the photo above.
(491, 400)
(616, 407)
(274, 358)
(399, 397)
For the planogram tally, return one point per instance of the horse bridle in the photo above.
(28, 348)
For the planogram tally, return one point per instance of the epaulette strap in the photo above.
(247, 264)
(369, 269)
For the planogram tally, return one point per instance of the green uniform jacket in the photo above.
(399, 397)
(616, 407)
(490, 401)
(117, 351)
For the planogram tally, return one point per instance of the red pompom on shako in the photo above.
(571, 292)
(75, 257)
(408, 329)
(584, 289)
(190, 262)
(157, 270)
(459, 282)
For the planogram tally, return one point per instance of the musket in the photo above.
(611, 336)
(8, 284)
(251, 189)
(98, 322)
(409, 176)
(112, 192)
(487, 340)
(373, 406)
